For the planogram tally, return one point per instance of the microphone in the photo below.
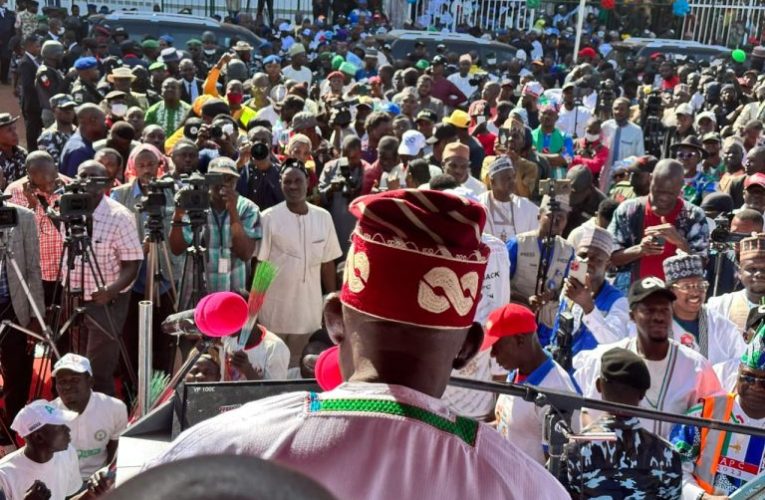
(216, 315)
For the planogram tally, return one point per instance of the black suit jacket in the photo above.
(185, 97)
(30, 104)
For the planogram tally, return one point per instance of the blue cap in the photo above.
(392, 109)
(167, 39)
(272, 59)
(85, 63)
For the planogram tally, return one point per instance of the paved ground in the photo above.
(9, 104)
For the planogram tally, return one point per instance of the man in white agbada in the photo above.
(509, 214)
(693, 324)
(679, 375)
(299, 238)
(735, 306)
(385, 434)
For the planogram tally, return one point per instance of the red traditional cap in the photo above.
(588, 52)
(506, 321)
(416, 257)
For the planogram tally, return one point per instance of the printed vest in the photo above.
(711, 441)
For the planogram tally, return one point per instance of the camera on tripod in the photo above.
(722, 234)
(194, 196)
(155, 201)
(77, 202)
(8, 216)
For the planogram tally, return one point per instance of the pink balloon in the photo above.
(220, 314)
(327, 369)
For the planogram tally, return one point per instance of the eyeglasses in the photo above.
(752, 379)
(692, 287)
(753, 271)
(685, 155)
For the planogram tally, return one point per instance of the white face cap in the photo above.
(412, 143)
(74, 363)
(37, 414)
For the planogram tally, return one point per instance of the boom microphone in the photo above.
(216, 315)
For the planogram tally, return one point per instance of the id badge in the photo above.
(224, 265)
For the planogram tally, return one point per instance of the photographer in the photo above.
(230, 234)
(145, 159)
(118, 253)
(219, 138)
(341, 181)
(259, 178)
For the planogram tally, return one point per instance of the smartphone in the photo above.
(578, 270)
(658, 240)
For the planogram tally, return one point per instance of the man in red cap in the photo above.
(385, 433)
(511, 335)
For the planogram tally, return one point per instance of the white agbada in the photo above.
(271, 355)
(61, 474)
(677, 381)
(734, 306)
(103, 420)
(297, 245)
(573, 121)
(363, 441)
(522, 422)
(508, 218)
(494, 294)
(727, 374)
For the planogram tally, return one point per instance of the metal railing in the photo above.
(724, 22)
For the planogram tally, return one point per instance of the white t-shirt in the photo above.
(297, 245)
(61, 474)
(299, 75)
(103, 420)
(271, 355)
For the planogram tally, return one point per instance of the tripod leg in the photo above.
(169, 264)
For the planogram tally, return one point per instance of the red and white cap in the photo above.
(416, 257)
(38, 414)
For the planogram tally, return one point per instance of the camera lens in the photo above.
(216, 131)
(259, 151)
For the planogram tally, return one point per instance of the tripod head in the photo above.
(153, 204)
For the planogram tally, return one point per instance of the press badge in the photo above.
(224, 265)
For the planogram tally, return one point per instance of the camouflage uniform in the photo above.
(52, 140)
(638, 464)
(27, 22)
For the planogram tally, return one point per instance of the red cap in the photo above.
(334, 74)
(374, 80)
(757, 179)
(433, 242)
(588, 52)
(506, 321)
(327, 369)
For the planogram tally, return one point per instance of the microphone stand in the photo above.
(563, 404)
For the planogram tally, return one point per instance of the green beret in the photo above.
(194, 42)
(337, 61)
(157, 65)
(150, 44)
(348, 68)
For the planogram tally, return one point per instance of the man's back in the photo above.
(638, 464)
(374, 441)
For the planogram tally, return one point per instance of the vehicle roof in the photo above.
(157, 17)
(666, 42)
(432, 35)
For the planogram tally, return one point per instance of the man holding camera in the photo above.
(340, 183)
(151, 203)
(259, 178)
(231, 231)
(118, 253)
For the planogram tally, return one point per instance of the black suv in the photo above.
(402, 42)
(182, 27)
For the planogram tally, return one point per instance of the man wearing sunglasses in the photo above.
(693, 324)
(716, 463)
(696, 182)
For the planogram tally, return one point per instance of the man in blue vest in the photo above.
(600, 311)
(717, 463)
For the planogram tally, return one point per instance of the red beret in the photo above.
(417, 258)
(335, 74)
(588, 52)
(506, 321)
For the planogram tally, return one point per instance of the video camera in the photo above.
(350, 185)
(154, 202)
(722, 234)
(9, 218)
(194, 196)
(77, 202)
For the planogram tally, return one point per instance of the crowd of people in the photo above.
(561, 220)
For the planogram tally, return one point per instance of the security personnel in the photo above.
(49, 80)
(84, 88)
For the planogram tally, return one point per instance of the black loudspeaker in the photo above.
(205, 400)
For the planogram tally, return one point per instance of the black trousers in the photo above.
(16, 358)
(34, 126)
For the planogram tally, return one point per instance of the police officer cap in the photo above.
(625, 367)
(85, 63)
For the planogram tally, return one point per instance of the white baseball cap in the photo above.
(73, 362)
(37, 414)
(412, 143)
